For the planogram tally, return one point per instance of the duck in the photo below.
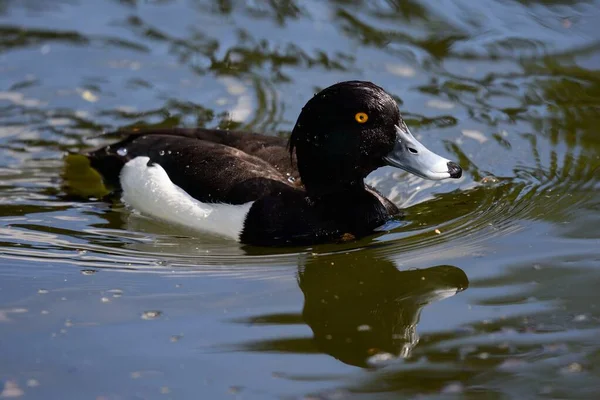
(266, 190)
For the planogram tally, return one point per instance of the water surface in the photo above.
(488, 288)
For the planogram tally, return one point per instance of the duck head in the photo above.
(348, 130)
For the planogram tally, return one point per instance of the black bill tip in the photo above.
(454, 170)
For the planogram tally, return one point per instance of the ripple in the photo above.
(468, 218)
(458, 222)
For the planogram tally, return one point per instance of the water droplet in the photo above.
(88, 271)
(453, 388)
(122, 151)
(573, 368)
(115, 292)
(136, 375)
(169, 152)
(89, 96)
(363, 328)
(32, 383)
(105, 300)
(42, 291)
(380, 359)
(580, 318)
(488, 180)
(176, 338)
(235, 389)
(151, 314)
(162, 152)
(511, 363)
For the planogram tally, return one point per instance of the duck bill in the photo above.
(410, 155)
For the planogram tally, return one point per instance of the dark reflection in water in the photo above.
(361, 308)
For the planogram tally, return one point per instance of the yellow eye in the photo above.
(361, 117)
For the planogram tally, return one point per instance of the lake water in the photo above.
(489, 288)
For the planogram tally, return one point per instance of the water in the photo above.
(488, 288)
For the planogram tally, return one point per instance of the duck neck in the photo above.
(328, 190)
(327, 182)
(330, 163)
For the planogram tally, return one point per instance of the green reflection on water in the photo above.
(521, 78)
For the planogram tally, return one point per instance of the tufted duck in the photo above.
(255, 189)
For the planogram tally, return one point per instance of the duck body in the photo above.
(260, 190)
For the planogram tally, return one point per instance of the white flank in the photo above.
(149, 190)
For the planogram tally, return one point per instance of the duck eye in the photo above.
(361, 117)
(414, 151)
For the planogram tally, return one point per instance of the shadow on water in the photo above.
(361, 309)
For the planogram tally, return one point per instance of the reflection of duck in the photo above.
(234, 184)
(361, 308)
